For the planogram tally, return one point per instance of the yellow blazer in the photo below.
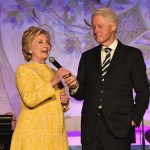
(40, 125)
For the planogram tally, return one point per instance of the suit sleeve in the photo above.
(141, 87)
(79, 95)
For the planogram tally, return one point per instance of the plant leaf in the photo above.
(65, 16)
(72, 3)
(48, 2)
(72, 20)
(13, 13)
(45, 2)
(88, 24)
(34, 13)
(19, 17)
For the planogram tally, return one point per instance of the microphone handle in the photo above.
(56, 64)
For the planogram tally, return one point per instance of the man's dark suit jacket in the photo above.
(126, 72)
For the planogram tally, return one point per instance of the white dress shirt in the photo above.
(112, 46)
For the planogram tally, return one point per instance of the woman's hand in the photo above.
(64, 99)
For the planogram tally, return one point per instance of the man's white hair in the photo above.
(107, 13)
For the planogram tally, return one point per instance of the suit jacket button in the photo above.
(102, 91)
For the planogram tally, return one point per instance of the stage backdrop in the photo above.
(68, 22)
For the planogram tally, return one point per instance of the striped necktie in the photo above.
(106, 62)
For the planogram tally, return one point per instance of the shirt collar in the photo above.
(112, 46)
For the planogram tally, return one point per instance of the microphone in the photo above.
(54, 62)
(57, 65)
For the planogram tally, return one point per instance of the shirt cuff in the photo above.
(73, 91)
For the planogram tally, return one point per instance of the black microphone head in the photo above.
(54, 62)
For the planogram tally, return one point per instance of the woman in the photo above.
(40, 125)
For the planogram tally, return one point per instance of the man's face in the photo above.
(103, 30)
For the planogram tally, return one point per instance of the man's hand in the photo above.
(133, 123)
(71, 81)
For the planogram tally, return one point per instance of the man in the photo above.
(110, 112)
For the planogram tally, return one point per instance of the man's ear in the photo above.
(114, 26)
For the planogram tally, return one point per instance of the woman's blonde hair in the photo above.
(28, 36)
(107, 13)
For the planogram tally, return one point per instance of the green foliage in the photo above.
(45, 3)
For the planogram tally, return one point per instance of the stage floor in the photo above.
(74, 140)
(133, 147)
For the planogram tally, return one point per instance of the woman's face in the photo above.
(40, 48)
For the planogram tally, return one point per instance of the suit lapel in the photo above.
(98, 59)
